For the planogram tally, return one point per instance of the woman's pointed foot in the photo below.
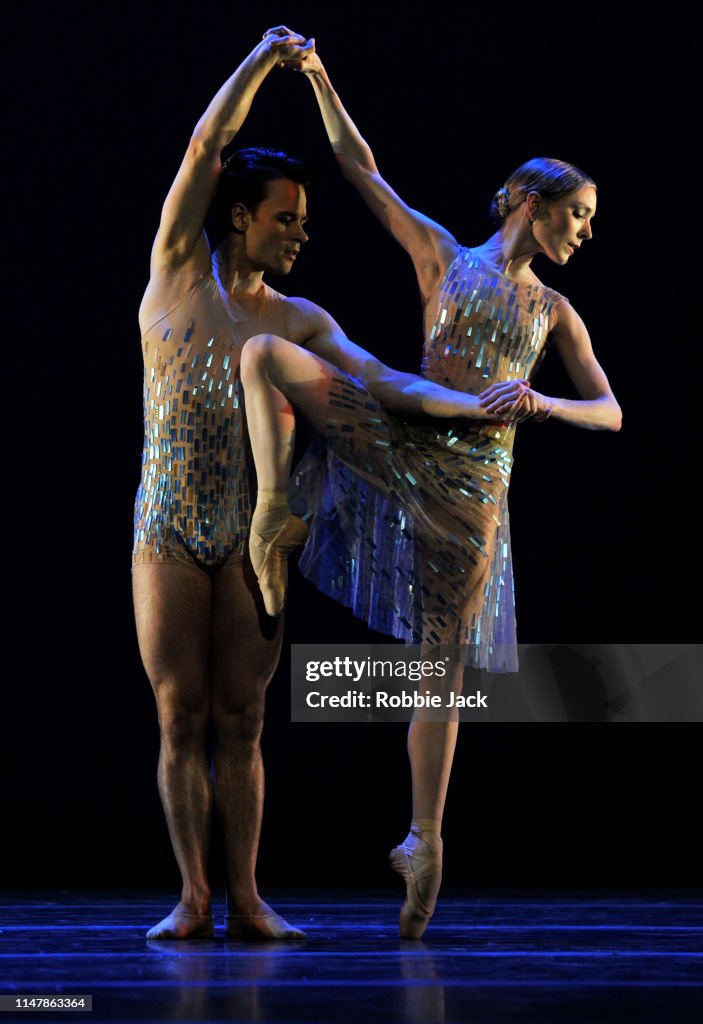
(420, 863)
(270, 560)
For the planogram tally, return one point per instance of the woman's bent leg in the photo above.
(278, 375)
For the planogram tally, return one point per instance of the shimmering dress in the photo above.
(410, 521)
(193, 504)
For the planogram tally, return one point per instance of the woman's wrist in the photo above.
(319, 78)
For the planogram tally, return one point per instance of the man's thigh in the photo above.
(173, 606)
(245, 641)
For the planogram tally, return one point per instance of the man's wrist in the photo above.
(266, 55)
(472, 407)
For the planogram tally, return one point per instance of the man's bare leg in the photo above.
(173, 606)
(245, 648)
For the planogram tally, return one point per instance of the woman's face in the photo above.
(562, 225)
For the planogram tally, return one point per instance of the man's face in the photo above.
(275, 232)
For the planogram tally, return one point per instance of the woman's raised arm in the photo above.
(430, 246)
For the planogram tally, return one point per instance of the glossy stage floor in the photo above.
(521, 957)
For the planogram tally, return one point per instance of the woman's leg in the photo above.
(431, 745)
(278, 375)
(433, 733)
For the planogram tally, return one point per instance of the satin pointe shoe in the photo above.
(421, 868)
(270, 561)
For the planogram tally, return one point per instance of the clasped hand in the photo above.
(295, 51)
(515, 400)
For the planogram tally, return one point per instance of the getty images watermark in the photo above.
(552, 683)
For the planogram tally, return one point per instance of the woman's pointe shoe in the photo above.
(421, 868)
(270, 561)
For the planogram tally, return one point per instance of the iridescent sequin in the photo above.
(411, 528)
(193, 501)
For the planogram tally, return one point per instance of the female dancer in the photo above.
(410, 523)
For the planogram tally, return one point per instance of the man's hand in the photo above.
(294, 51)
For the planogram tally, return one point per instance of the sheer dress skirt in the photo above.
(409, 525)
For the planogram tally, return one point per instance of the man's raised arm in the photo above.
(180, 237)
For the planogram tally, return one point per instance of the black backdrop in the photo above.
(102, 101)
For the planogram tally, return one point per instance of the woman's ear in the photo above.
(533, 205)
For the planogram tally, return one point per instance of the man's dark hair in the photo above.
(244, 178)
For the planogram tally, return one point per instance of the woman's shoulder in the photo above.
(555, 297)
(473, 256)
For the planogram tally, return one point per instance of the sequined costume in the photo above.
(193, 504)
(410, 526)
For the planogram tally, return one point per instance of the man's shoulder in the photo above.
(163, 293)
(304, 310)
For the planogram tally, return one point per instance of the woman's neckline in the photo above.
(515, 280)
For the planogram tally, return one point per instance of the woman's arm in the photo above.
(430, 246)
(597, 409)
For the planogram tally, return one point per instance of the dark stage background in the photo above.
(451, 99)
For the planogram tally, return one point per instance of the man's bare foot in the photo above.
(259, 923)
(184, 922)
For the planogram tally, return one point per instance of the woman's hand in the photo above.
(295, 51)
(534, 406)
(514, 400)
(309, 63)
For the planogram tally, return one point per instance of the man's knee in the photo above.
(182, 722)
(240, 726)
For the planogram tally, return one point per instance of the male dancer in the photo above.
(207, 645)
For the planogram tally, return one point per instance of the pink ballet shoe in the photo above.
(422, 870)
(270, 561)
(265, 925)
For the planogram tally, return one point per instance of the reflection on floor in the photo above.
(522, 958)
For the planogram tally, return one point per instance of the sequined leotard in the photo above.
(410, 525)
(193, 504)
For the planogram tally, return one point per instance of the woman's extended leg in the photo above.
(278, 375)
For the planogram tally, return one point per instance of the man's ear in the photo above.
(241, 217)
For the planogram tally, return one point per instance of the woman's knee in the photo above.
(260, 352)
